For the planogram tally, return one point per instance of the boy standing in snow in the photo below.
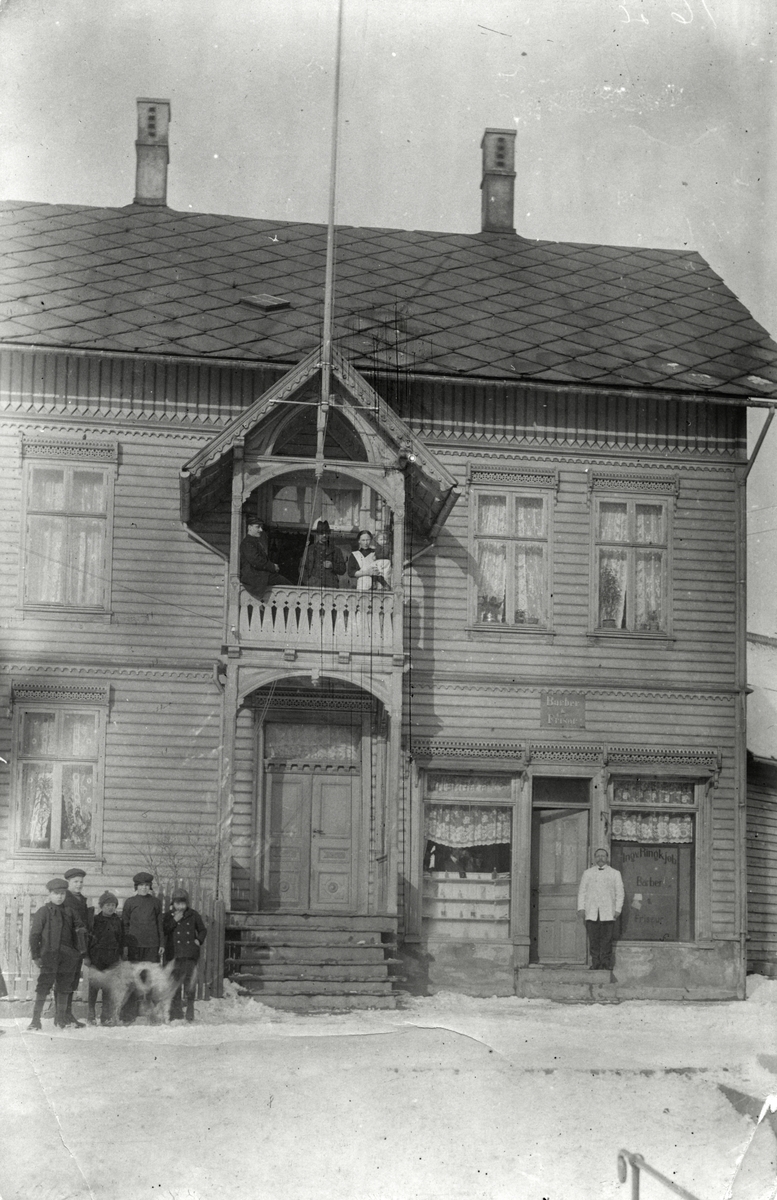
(143, 936)
(57, 942)
(184, 934)
(73, 899)
(106, 946)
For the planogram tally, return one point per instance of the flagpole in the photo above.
(329, 278)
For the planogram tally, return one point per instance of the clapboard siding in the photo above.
(762, 865)
(160, 774)
(703, 587)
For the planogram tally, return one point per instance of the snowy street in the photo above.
(447, 1097)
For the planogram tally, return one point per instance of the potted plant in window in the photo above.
(610, 598)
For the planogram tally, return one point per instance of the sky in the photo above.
(644, 122)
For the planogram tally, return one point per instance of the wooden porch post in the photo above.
(229, 698)
(232, 634)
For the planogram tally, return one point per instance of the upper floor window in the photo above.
(67, 529)
(631, 564)
(58, 770)
(511, 554)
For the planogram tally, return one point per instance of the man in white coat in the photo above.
(599, 902)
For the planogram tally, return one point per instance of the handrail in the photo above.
(637, 1163)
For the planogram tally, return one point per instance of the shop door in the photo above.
(559, 857)
(311, 828)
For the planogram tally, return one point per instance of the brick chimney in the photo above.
(152, 152)
(498, 186)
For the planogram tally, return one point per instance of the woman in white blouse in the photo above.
(365, 567)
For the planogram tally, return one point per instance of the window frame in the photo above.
(632, 493)
(68, 456)
(28, 699)
(513, 485)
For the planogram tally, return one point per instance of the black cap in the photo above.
(57, 885)
(180, 894)
(75, 873)
(108, 898)
(322, 526)
(142, 877)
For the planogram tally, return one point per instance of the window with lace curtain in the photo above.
(511, 554)
(631, 565)
(58, 778)
(67, 536)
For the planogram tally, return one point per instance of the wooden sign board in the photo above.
(562, 710)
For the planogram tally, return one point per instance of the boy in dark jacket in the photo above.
(106, 947)
(184, 934)
(75, 882)
(143, 936)
(57, 942)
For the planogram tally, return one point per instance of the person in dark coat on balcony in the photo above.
(141, 918)
(323, 563)
(258, 573)
(184, 934)
(106, 948)
(58, 940)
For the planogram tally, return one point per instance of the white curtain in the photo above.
(463, 825)
(88, 492)
(47, 490)
(46, 572)
(650, 524)
(79, 735)
(35, 814)
(529, 584)
(77, 801)
(86, 561)
(649, 589)
(652, 828)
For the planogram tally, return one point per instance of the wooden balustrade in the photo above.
(292, 618)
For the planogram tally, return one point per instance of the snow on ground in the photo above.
(449, 1096)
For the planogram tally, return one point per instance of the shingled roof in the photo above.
(495, 306)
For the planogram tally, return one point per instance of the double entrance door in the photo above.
(311, 839)
(559, 857)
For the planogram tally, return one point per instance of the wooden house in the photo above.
(547, 441)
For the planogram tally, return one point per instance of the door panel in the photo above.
(312, 824)
(288, 819)
(333, 842)
(560, 854)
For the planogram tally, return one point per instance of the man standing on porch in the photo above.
(599, 902)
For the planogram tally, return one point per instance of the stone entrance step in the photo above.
(570, 984)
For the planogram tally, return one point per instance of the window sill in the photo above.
(496, 632)
(57, 856)
(31, 613)
(620, 635)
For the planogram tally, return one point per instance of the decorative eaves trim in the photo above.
(704, 760)
(512, 476)
(60, 693)
(52, 447)
(664, 485)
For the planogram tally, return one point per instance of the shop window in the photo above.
(631, 565)
(511, 554)
(67, 528)
(467, 856)
(653, 847)
(58, 778)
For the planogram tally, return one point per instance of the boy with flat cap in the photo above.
(143, 935)
(57, 942)
(106, 947)
(75, 882)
